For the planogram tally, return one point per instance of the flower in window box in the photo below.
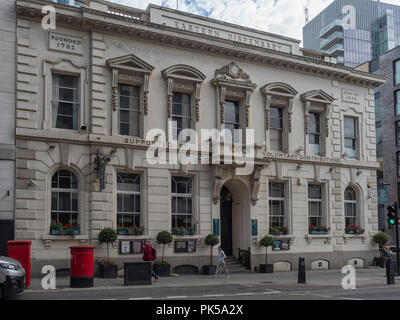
(191, 230)
(138, 230)
(122, 230)
(319, 229)
(56, 228)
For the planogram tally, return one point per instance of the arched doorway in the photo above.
(235, 216)
(226, 221)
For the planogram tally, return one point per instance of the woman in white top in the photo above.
(221, 262)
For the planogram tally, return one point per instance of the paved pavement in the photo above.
(321, 285)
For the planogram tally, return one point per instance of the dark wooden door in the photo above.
(6, 233)
(226, 222)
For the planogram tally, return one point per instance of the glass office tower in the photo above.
(354, 31)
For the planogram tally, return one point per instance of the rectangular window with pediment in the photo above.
(129, 111)
(276, 129)
(181, 114)
(65, 102)
(182, 202)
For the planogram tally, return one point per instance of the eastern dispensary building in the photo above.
(91, 90)
(354, 31)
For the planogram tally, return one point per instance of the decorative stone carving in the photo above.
(255, 184)
(218, 182)
(232, 71)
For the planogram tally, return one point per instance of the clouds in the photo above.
(283, 17)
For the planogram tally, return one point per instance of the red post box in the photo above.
(21, 251)
(82, 267)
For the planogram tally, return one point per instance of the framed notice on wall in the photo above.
(182, 246)
(124, 247)
(130, 247)
(281, 245)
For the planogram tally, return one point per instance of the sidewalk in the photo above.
(369, 277)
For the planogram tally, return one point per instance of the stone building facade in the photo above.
(94, 89)
(7, 121)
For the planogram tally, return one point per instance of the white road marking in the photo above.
(351, 299)
(144, 298)
(244, 294)
(213, 295)
(177, 297)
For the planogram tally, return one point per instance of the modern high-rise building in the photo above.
(354, 31)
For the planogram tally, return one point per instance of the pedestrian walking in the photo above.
(387, 252)
(221, 263)
(150, 254)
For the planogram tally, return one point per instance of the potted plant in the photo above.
(108, 269)
(56, 228)
(354, 230)
(122, 230)
(162, 268)
(278, 231)
(266, 242)
(138, 231)
(191, 231)
(381, 239)
(211, 240)
(72, 229)
(319, 230)
(176, 231)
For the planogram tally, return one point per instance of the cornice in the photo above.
(87, 19)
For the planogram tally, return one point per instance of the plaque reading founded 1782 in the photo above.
(64, 43)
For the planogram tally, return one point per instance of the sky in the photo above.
(283, 17)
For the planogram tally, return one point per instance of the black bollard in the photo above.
(302, 271)
(390, 272)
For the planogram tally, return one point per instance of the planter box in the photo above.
(122, 233)
(350, 232)
(266, 268)
(319, 232)
(55, 232)
(209, 270)
(162, 270)
(137, 273)
(108, 271)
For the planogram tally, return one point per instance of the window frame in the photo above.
(140, 110)
(134, 193)
(396, 73)
(285, 206)
(397, 103)
(130, 70)
(353, 202)
(319, 134)
(279, 95)
(280, 131)
(183, 195)
(355, 138)
(77, 191)
(191, 118)
(183, 79)
(322, 205)
(65, 67)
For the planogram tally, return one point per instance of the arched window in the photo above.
(64, 200)
(350, 207)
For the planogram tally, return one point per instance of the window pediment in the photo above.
(130, 63)
(181, 72)
(317, 96)
(279, 89)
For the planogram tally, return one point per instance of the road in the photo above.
(261, 291)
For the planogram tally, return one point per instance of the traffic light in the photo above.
(392, 215)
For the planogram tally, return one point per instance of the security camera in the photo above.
(32, 183)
